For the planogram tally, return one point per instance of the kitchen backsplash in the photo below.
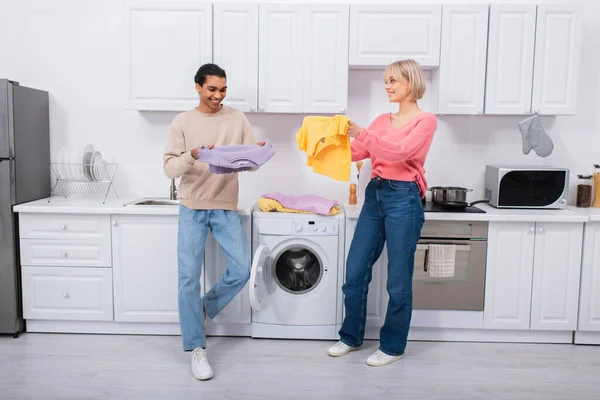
(84, 74)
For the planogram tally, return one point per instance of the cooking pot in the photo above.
(442, 194)
(452, 197)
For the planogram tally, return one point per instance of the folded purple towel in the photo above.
(238, 158)
(310, 202)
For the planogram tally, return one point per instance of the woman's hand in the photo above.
(353, 129)
(261, 144)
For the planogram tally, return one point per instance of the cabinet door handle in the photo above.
(115, 223)
(540, 229)
(66, 295)
(262, 109)
(253, 108)
(532, 229)
(63, 227)
(64, 254)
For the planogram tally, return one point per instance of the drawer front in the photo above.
(64, 226)
(78, 294)
(63, 253)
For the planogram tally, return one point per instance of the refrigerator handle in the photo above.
(7, 159)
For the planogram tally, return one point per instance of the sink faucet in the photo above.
(173, 191)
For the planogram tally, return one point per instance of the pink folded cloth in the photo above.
(310, 202)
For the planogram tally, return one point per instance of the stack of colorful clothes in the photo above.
(306, 204)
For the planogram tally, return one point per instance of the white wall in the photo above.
(75, 49)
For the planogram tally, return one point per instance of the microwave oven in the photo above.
(508, 186)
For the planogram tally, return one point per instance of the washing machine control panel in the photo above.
(314, 228)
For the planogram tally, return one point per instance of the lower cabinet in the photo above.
(67, 293)
(532, 275)
(145, 268)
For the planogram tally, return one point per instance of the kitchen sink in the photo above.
(153, 202)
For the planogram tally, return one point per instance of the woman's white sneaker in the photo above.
(200, 367)
(340, 349)
(379, 359)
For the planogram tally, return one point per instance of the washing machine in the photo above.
(297, 275)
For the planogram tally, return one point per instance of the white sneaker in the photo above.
(200, 367)
(379, 359)
(340, 349)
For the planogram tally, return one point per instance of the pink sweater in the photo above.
(397, 153)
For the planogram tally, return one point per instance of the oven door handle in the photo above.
(459, 247)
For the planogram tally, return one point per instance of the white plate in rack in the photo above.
(99, 167)
(86, 161)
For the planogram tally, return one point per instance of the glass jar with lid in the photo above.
(584, 191)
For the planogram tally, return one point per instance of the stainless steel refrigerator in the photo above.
(24, 176)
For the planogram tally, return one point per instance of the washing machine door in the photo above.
(262, 282)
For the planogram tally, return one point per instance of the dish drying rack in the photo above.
(83, 179)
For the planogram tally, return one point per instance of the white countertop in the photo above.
(89, 205)
(494, 214)
(592, 213)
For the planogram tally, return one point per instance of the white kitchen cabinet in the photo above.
(557, 58)
(463, 59)
(589, 309)
(532, 275)
(235, 319)
(510, 59)
(280, 58)
(325, 81)
(236, 51)
(166, 43)
(378, 297)
(67, 293)
(145, 268)
(508, 275)
(556, 271)
(383, 33)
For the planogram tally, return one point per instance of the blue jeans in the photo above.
(392, 212)
(227, 228)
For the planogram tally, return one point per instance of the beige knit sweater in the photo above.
(199, 189)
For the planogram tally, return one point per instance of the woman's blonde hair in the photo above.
(411, 71)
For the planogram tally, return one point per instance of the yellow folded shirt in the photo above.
(268, 205)
(327, 146)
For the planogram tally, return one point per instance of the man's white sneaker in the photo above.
(200, 367)
(379, 359)
(340, 349)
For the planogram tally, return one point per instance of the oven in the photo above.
(450, 262)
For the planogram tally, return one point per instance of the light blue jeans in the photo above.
(227, 228)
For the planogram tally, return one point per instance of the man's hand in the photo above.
(261, 144)
(195, 151)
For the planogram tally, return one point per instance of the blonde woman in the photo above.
(397, 145)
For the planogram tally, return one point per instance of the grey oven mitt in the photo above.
(535, 137)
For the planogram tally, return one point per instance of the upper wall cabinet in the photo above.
(236, 51)
(284, 58)
(382, 34)
(510, 59)
(280, 78)
(463, 56)
(533, 62)
(166, 43)
(557, 56)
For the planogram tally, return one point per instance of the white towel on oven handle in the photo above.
(441, 260)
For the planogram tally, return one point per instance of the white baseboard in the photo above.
(585, 337)
(480, 335)
(327, 332)
(131, 328)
